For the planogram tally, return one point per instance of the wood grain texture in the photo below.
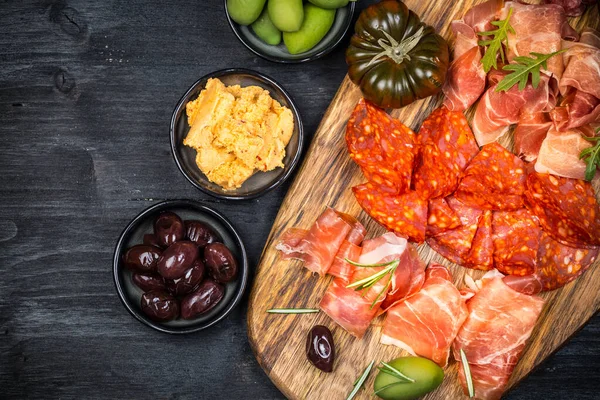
(325, 179)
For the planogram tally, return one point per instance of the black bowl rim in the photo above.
(297, 117)
(280, 60)
(168, 204)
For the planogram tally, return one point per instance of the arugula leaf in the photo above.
(494, 45)
(521, 70)
(591, 156)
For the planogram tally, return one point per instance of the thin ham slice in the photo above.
(580, 83)
(530, 133)
(573, 8)
(320, 244)
(351, 309)
(499, 323)
(350, 249)
(426, 323)
(466, 78)
(496, 111)
(288, 242)
(407, 279)
(559, 153)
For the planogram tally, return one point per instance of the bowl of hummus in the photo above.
(236, 134)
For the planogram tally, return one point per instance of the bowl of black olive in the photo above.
(180, 267)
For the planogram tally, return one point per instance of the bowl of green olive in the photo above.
(290, 31)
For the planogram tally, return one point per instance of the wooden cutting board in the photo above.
(325, 179)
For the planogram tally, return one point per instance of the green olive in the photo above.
(317, 22)
(426, 374)
(245, 12)
(287, 15)
(263, 28)
(330, 4)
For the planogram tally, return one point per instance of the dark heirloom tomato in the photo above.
(394, 58)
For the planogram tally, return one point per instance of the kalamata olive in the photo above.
(160, 305)
(148, 282)
(168, 229)
(201, 300)
(151, 240)
(177, 259)
(220, 262)
(188, 282)
(320, 349)
(142, 258)
(200, 233)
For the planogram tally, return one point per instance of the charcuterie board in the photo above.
(325, 179)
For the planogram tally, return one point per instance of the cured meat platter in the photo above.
(325, 180)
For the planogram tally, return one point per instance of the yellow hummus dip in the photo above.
(237, 131)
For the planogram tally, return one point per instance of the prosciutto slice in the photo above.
(580, 83)
(496, 111)
(350, 249)
(407, 279)
(351, 309)
(494, 334)
(426, 323)
(559, 152)
(530, 133)
(319, 246)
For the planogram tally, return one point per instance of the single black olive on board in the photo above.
(168, 229)
(177, 259)
(148, 282)
(151, 240)
(159, 305)
(220, 262)
(188, 282)
(142, 258)
(200, 233)
(201, 300)
(320, 349)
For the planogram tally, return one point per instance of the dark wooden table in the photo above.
(86, 93)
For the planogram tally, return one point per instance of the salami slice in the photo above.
(404, 214)
(382, 146)
(456, 244)
(516, 236)
(567, 208)
(481, 255)
(559, 264)
(446, 147)
(440, 217)
(493, 180)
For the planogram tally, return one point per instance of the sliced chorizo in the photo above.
(516, 236)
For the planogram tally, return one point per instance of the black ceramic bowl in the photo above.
(130, 294)
(260, 182)
(343, 20)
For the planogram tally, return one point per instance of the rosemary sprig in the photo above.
(522, 68)
(365, 283)
(494, 45)
(467, 371)
(293, 310)
(360, 381)
(388, 369)
(591, 156)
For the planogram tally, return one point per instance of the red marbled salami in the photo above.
(446, 147)
(493, 180)
(515, 235)
(559, 264)
(440, 217)
(481, 255)
(404, 214)
(567, 208)
(382, 146)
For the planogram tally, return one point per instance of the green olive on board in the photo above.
(267, 32)
(426, 374)
(330, 4)
(317, 22)
(245, 12)
(287, 15)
